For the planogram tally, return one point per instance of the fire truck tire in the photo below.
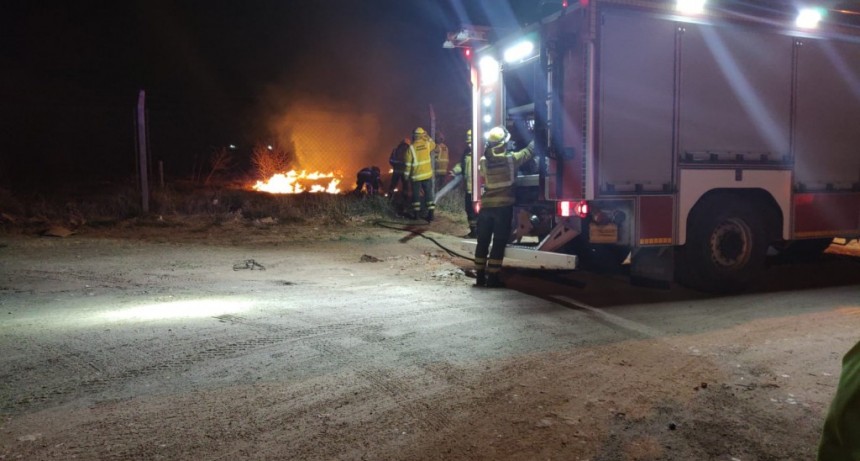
(726, 246)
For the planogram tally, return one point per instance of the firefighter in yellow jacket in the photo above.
(442, 160)
(498, 168)
(419, 170)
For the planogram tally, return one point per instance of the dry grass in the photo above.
(113, 205)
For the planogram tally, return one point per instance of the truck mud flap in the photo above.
(524, 256)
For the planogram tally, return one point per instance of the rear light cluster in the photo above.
(567, 208)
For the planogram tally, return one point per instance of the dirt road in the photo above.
(174, 343)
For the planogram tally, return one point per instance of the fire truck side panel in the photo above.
(655, 215)
(827, 147)
(735, 94)
(565, 179)
(636, 68)
(825, 214)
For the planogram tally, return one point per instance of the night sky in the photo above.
(226, 72)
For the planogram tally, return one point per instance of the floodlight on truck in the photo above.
(489, 70)
(690, 6)
(519, 52)
(808, 18)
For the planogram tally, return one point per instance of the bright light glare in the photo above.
(808, 18)
(488, 118)
(488, 102)
(179, 309)
(690, 6)
(519, 51)
(489, 70)
(563, 208)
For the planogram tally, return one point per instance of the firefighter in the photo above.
(464, 167)
(398, 188)
(368, 179)
(839, 439)
(397, 160)
(419, 171)
(441, 167)
(498, 168)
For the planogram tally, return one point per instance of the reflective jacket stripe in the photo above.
(499, 176)
(420, 168)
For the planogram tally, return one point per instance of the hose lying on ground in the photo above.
(420, 233)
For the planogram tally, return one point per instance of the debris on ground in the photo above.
(58, 231)
(369, 259)
(248, 264)
(455, 274)
(268, 220)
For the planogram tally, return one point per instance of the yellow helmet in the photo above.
(498, 135)
(418, 133)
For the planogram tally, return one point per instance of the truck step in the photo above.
(528, 256)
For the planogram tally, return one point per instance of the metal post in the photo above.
(433, 154)
(141, 147)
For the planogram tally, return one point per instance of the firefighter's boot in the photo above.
(480, 278)
(473, 234)
(429, 217)
(493, 281)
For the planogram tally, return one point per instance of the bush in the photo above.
(270, 161)
(107, 205)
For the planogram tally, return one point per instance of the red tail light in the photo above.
(569, 208)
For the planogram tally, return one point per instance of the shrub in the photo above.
(269, 161)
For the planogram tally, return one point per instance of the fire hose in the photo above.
(442, 192)
(449, 187)
(420, 232)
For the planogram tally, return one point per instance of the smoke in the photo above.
(363, 86)
(328, 136)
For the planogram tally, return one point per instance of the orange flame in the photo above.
(295, 182)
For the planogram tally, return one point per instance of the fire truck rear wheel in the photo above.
(726, 245)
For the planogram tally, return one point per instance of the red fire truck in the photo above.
(689, 141)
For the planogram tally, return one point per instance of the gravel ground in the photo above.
(256, 341)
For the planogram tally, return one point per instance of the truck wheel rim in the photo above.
(731, 244)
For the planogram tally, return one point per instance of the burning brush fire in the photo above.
(297, 182)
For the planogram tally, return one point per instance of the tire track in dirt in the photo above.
(399, 388)
(74, 360)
